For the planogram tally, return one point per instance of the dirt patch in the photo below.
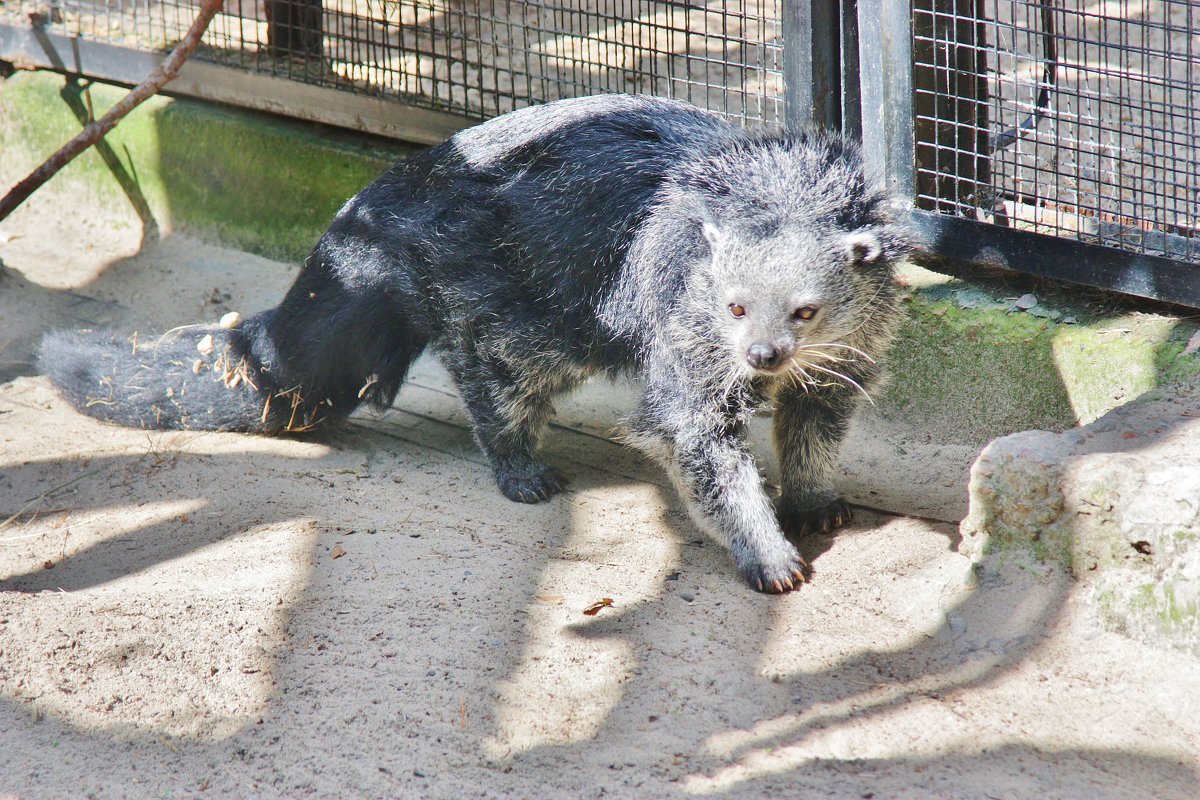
(362, 614)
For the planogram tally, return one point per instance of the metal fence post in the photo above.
(811, 64)
(886, 87)
(851, 95)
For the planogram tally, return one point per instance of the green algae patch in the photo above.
(1113, 361)
(970, 365)
(264, 184)
(979, 370)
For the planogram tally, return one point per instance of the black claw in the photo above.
(533, 489)
(776, 578)
(819, 520)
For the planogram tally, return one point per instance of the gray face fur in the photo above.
(782, 300)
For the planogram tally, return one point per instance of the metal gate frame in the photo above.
(33, 47)
(885, 51)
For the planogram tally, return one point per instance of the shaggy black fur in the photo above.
(594, 235)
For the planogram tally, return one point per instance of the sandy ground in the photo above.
(362, 614)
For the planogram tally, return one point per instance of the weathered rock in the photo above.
(1117, 502)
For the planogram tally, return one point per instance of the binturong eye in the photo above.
(805, 313)
(737, 310)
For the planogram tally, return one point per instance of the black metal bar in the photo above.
(811, 64)
(851, 94)
(957, 240)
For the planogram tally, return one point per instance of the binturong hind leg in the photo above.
(508, 423)
(809, 428)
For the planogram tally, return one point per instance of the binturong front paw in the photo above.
(823, 519)
(780, 573)
(531, 488)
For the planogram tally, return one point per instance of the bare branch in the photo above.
(95, 131)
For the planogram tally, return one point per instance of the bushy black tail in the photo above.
(276, 372)
(200, 377)
(346, 333)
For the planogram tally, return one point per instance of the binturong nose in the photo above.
(763, 355)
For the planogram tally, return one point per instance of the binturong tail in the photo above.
(197, 377)
(290, 369)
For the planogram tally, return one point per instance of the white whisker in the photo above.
(845, 378)
(826, 356)
(801, 376)
(854, 350)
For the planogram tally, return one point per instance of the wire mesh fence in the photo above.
(478, 58)
(1075, 118)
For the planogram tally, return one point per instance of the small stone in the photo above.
(1026, 302)
(687, 597)
(1193, 344)
(197, 366)
(1045, 313)
(231, 320)
(205, 345)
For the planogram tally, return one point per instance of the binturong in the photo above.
(729, 272)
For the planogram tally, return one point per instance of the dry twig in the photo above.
(95, 131)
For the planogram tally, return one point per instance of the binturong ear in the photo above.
(863, 246)
(712, 234)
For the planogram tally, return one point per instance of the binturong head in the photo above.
(799, 299)
(798, 275)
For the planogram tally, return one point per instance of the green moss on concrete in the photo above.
(979, 370)
(1047, 545)
(37, 119)
(1174, 614)
(1152, 611)
(260, 183)
(1017, 504)
(967, 361)
(1171, 363)
(254, 183)
(1107, 363)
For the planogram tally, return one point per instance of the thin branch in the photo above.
(95, 131)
